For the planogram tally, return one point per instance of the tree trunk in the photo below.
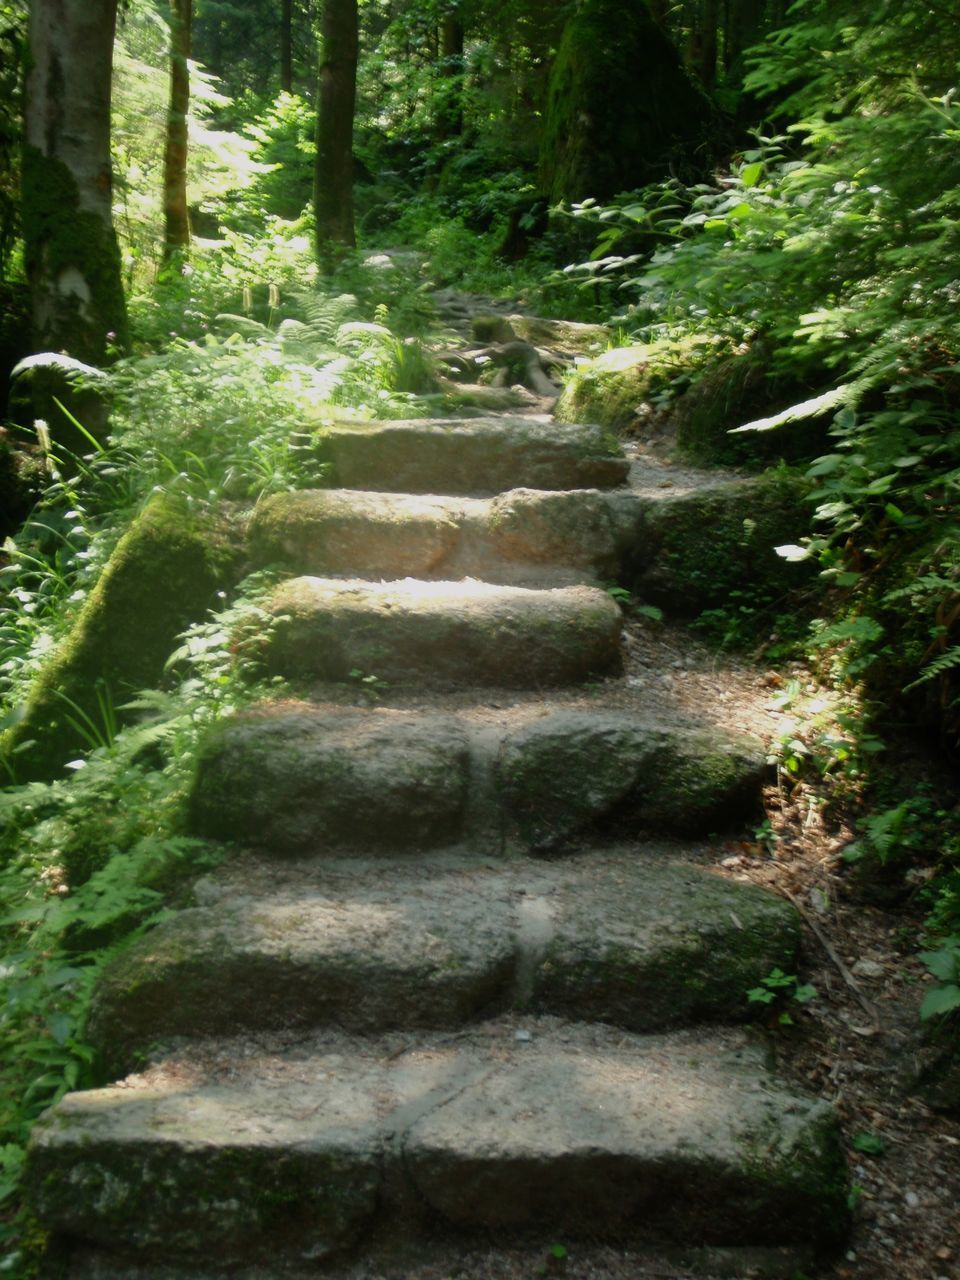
(72, 259)
(450, 114)
(621, 111)
(710, 18)
(661, 13)
(745, 26)
(176, 218)
(333, 176)
(286, 46)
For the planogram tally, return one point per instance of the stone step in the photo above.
(526, 536)
(301, 778)
(478, 456)
(625, 936)
(441, 633)
(236, 1155)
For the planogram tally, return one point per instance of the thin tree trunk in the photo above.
(286, 46)
(72, 259)
(692, 53)
(450, 119)
(710, 20)
(176, 217)
(333, 185)
(746, 24)
(660, 10)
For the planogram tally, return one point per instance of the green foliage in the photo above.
(220, 161)
(869, 1144)
(833, 246)
(13, 29)
(88, 862)
(780, 991)
(943, 999)
(281, 182)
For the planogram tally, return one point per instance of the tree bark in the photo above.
(333, 175)
(72, 259)
(710, 19)
(450, 116)
(744, 28)
(286, 46)
(176, 217)
(621, 111)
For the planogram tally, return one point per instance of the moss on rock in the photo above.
(163, 575)
(694, 550)
(574, 772)
(737, 389)
(652, 946)
(620, 106)
(609, 389)
(61, 391)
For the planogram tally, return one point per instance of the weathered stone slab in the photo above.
(367, 947)
(533, 1125)
(651, 947)
(380, 535)
(238, 1175)
(295, 778)
(674, 1142)
(616, 937)
(471, 456)
(515, 536)
(442, 633)
(576, 770)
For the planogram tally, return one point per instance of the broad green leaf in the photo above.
(870, 1144)
(940, 1000)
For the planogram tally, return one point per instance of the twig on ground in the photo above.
(845, 974)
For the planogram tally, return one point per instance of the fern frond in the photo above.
(946, 662)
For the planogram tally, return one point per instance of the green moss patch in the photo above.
(163, 575)
(695, 550)
(600, 135)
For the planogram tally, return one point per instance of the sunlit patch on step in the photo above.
(442, 633)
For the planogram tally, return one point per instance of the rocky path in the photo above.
(465, 978)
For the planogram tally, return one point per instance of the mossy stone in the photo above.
(294, 778)
(620, 107)
(738, 389)
(574, 772)
(452, 633)
(694, 550)
(650, 946)
(611, 388)
(164, 574)
(59, 390)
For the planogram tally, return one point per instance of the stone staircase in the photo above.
(443, 990)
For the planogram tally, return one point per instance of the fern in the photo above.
(946, 662)
(324, 313)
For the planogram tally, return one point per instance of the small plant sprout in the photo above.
(371, 687)
(780, 991)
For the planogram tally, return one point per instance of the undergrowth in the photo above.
(89, 861)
